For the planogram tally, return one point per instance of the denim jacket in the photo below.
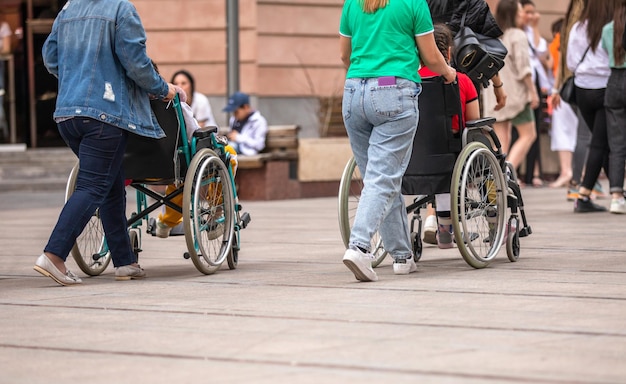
(97, 50)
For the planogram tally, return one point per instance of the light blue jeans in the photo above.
(381, 122)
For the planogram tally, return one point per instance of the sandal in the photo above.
(560, 182)
(537, 182)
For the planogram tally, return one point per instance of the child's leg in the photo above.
(444, 230)
(233, 158)
(171, 217)
(430, 225)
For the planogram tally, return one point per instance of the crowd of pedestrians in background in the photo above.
(591, 49)
(588, 137)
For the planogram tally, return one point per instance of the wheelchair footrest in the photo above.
(178, 230)
(245, 220)
(523, 232)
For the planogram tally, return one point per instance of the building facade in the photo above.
(288, 50)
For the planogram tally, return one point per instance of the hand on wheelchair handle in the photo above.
(170, 93)
(450, 77)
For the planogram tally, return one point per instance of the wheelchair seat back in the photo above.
(435, 147)
(149, 158)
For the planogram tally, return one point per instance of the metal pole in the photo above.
(12, 119)
(232, 46)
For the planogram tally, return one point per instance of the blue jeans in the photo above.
(381, 122)
(100, 149)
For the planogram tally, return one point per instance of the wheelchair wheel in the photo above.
(350, 188)
(208, 211)
(512, 240)
(478, 204)
(233, 255)
(90, 251)
(416, 242)
(134, 242)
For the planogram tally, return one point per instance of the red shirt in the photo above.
(466, 89)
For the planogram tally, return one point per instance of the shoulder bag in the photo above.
(479, 56)
(568, 89)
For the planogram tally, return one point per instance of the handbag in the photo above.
(480, 57)
(568, 89)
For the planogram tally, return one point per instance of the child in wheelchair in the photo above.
(438, 227)
(170, 218)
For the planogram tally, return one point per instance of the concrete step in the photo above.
(35, 169)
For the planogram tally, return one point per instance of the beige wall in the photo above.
(288, 48)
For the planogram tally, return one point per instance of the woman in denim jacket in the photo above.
(97, 51)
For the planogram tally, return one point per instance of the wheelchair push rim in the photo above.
(208, 211)
(478, 204)
(350, 188)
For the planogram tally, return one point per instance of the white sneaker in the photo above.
(129, 272)
(404, 266)
(360, 264)
(162, 230)
(430, 229)
(618, 206)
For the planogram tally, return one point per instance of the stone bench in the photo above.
(271, 175)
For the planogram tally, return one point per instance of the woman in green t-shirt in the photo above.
(381, 44)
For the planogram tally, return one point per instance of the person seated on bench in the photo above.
(442, 234)
(248, 128)
(200, 105)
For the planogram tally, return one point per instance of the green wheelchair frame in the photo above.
(212, 214)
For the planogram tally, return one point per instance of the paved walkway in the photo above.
(292, 312)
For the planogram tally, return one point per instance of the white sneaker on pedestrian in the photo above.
(360, 263)
(618, 206)
(404, 266)
(129, 272)
(162, 230)
(430, 229)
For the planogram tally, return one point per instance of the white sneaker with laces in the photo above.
(430, 229)
(618, 206)
(162, 230)
(404, 266)
(360, 264)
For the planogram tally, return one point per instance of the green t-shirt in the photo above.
(383, 42)
(607, 44)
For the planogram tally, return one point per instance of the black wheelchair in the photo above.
(201, 170)
(486, 204)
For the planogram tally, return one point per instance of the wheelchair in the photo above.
(202, 172)
(486, 204)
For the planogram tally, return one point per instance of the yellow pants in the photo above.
(172, 218)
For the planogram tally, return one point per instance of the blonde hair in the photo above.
(371, 6)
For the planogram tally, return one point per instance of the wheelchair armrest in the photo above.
(202, 133)
(480, 122)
